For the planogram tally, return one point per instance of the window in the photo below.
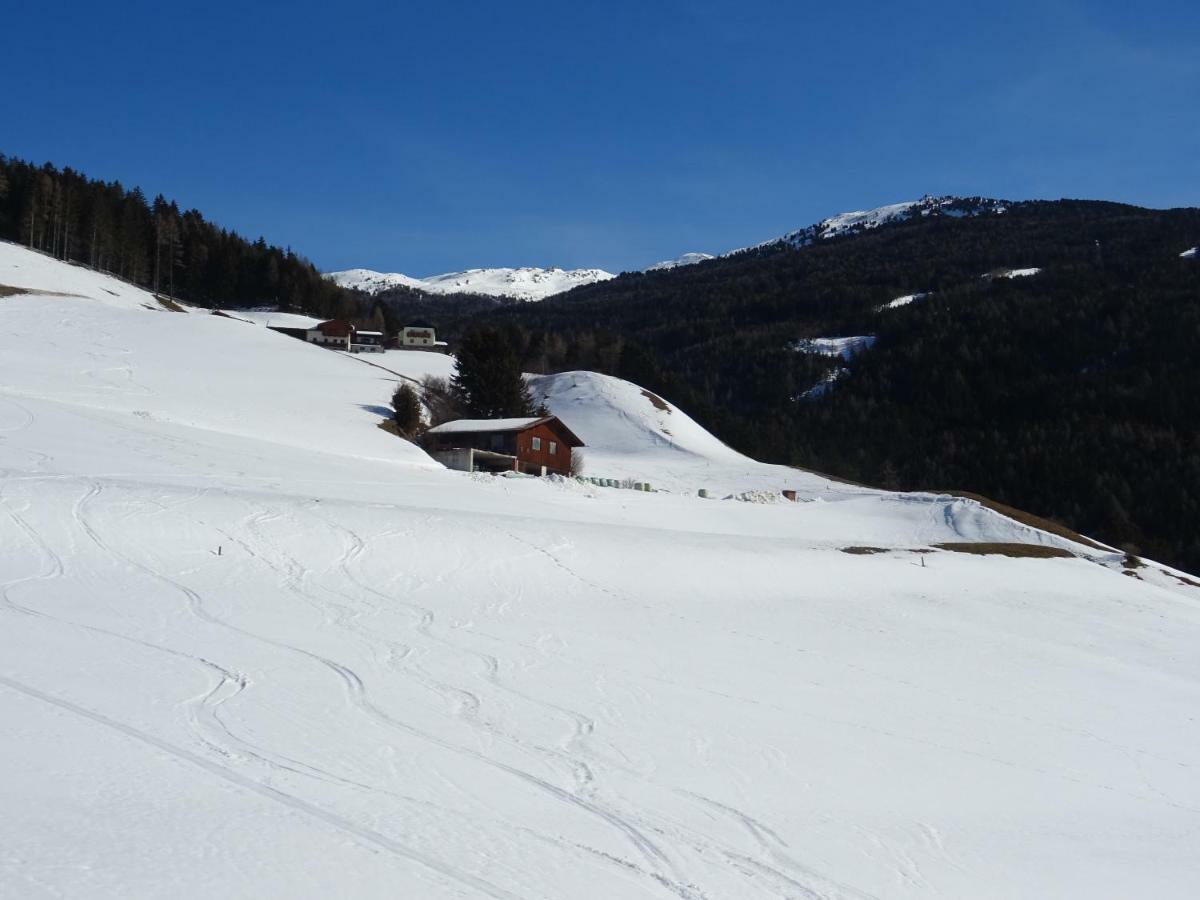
(553, 448)
(536, 443)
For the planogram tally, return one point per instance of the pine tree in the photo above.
(487, 378)
(406, 410)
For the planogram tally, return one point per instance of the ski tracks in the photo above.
(203, 711)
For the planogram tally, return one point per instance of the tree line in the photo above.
(154, 244)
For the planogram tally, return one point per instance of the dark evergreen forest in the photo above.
(153, 244)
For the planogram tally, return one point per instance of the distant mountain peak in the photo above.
(525, 283)
(686, 259)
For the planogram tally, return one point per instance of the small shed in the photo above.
(535, 446)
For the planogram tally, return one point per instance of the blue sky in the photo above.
(428, 137)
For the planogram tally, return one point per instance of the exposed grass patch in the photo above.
(658, 402)
(1017, 551)
(7, 290)
(168, 303)
(389, 425)
(1027, 518)
(863, 551)
(1187, 581)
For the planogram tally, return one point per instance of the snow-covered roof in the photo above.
(471, 426)
(491, 426)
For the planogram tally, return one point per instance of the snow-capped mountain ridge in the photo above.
(859, 221)
(532, 283)
(685, 259)
(525, 283)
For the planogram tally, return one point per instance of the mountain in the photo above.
(1038, 352)
(253, 645)
(526, 283)
(687, 259)
(538, 284)
(856, 222)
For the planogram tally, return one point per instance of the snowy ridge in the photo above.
(1190, 254)
(687, 259)
(527, 283)
(866, 220)
(253, 646)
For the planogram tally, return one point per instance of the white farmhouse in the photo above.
(418, 337)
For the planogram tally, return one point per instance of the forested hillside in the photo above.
(153, 243)
(1071, 392)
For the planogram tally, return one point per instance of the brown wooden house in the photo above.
(534, 446)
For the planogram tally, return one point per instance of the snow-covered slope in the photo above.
(526, 283)
(686, 259)
(865, 220)
(1013, 273)
(1190, 254)
(904, 300)
(273, 317)
(845, 347)
(252, 646)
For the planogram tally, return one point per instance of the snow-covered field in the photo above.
(253, 646)
(525, 283)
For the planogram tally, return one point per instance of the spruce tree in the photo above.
(406, 410)
(487, 380)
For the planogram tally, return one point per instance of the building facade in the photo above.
(335, 333)
(536, 446)
(418, 337)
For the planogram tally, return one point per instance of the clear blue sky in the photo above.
(426, 137)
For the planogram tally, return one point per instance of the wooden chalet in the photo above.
(535, 446)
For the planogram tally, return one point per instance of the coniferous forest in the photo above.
(154, 244)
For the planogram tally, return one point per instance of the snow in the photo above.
(686, 259)
(1191, 254)
(825, 385)
(904, 300)
(373, 282)
(471, 426)
(527, 283)
(1012, 273)
(861, 220)
(845, 347)
(396, 680)
(33, 271)
(273, 317)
